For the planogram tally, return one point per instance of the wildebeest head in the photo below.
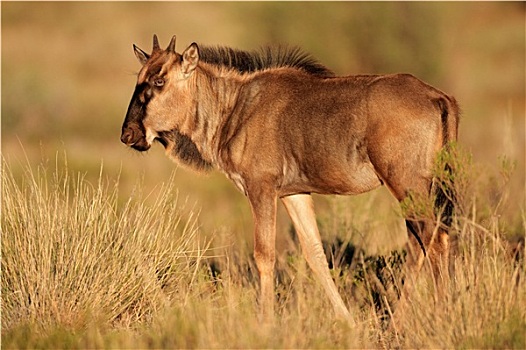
(159, 104)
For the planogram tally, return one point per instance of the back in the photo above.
(317, 133)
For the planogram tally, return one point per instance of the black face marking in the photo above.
(133, 133)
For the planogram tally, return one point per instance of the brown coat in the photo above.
(289, 128)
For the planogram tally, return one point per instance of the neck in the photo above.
(216, 92)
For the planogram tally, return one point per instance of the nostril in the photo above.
(127, 137)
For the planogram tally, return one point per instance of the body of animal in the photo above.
(282, 126)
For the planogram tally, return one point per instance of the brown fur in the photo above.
(285, 132)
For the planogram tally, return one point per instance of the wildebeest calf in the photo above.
(280, 125)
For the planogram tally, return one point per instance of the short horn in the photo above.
(156, 46)
(171, 45)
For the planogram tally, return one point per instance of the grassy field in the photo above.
(84, 267)
(106, 248)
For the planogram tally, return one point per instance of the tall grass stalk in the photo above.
(73, 252)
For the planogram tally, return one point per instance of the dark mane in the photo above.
(265, 57)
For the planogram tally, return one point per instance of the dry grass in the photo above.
(73, 252)
(94, 259)
(84, 268)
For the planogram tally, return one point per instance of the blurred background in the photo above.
(68, 72)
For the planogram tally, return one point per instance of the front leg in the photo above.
(301, 210)
(263, 204)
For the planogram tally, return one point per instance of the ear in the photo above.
(141, 55)
(190, 58)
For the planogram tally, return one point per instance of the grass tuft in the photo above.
(74, 253)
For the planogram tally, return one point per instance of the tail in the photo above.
(443, 186)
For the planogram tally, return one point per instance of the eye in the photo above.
(158, 82)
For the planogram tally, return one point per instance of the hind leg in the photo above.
(428, 245)
(438, 254)
(422, 251)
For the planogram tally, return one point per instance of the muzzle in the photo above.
(133, 136)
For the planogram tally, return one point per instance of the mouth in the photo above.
(141, 147)
(136, 139)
